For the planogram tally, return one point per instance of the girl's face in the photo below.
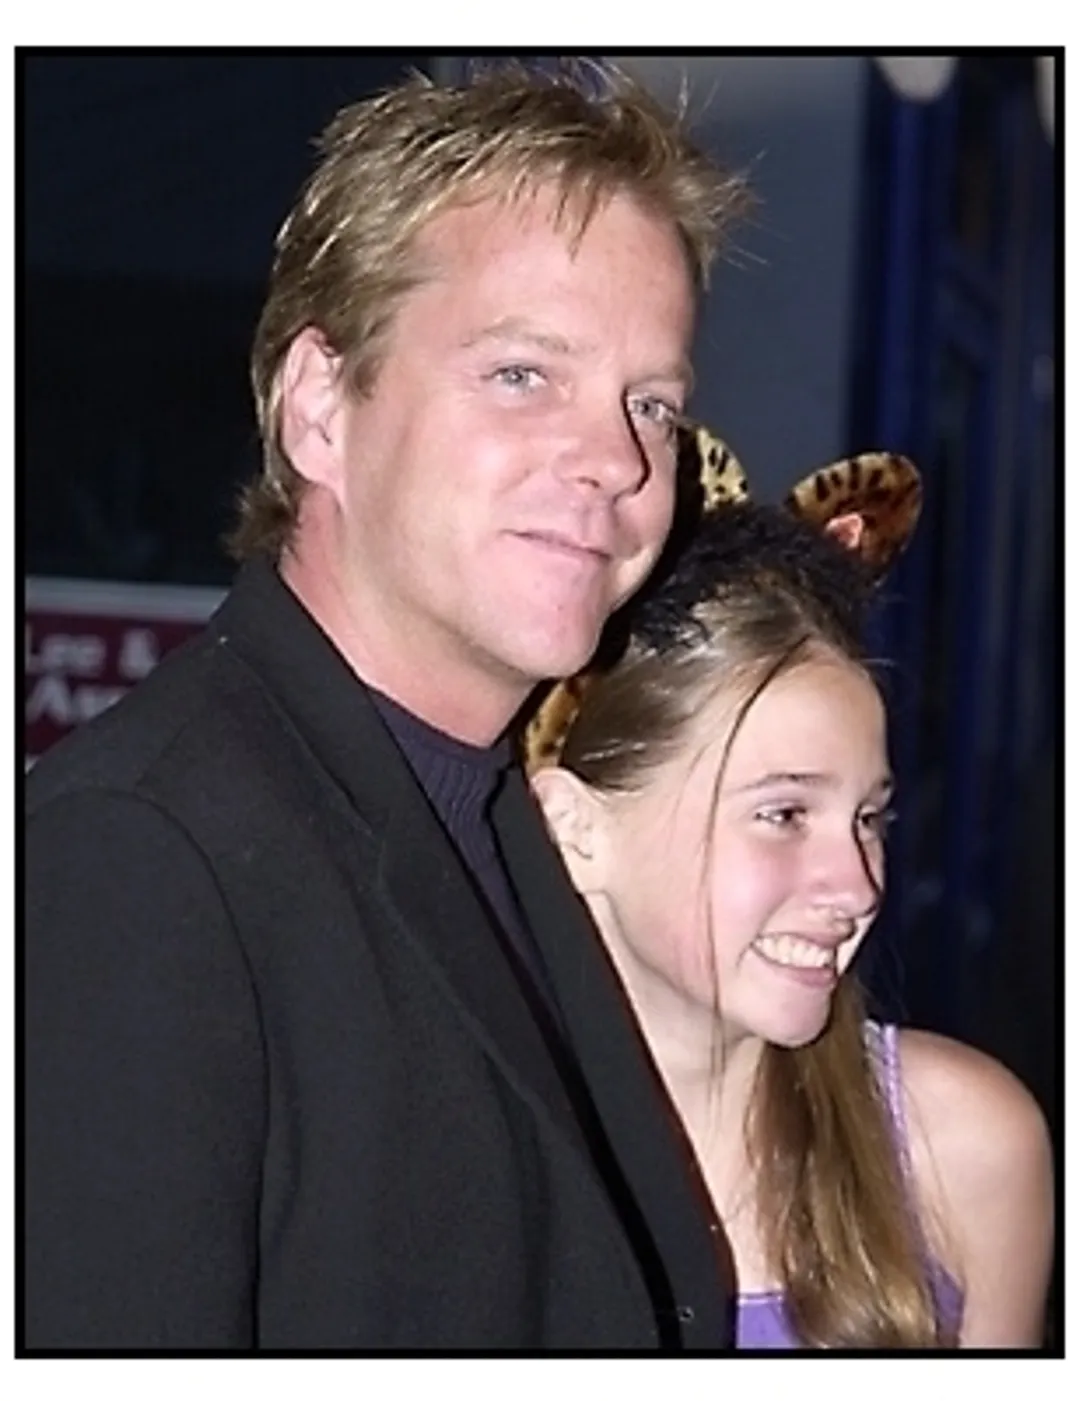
(751, 907)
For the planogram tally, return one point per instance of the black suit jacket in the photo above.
(283, 1089)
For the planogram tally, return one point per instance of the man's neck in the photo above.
(468, 704)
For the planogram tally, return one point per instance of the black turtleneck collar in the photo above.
(461, 780)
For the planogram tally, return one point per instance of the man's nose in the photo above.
(609, 456)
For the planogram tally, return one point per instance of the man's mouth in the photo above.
(569, 546)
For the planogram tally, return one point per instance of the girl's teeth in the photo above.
(794, 952)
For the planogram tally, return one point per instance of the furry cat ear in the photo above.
(707, 475)
(721, 475)
(871, 503)
(542, 738)
(848, 530)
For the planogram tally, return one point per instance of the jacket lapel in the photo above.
(646, 1137)
(420, 876)
(437, 908)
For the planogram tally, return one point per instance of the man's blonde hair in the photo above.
(345, 255)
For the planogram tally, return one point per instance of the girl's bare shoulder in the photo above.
(983, 1169)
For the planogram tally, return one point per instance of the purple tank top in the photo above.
(761, 1321)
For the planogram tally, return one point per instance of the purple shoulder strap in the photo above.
(884, 1046)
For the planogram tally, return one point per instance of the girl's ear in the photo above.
(571, 812)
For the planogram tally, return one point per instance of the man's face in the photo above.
(510, 478)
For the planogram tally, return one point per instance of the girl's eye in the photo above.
(518, 376)
(877, 822)
(785, 817)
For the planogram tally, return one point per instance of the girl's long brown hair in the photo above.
(837, 1223)
(756, 595)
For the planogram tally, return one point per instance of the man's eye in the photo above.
(518, 376)
(661, 413)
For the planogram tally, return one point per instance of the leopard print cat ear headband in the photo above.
(870, 503)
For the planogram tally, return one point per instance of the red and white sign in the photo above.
(88, 642)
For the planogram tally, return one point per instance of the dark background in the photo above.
(152, 188)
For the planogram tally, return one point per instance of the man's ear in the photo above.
(312, 393)
(571, 813)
